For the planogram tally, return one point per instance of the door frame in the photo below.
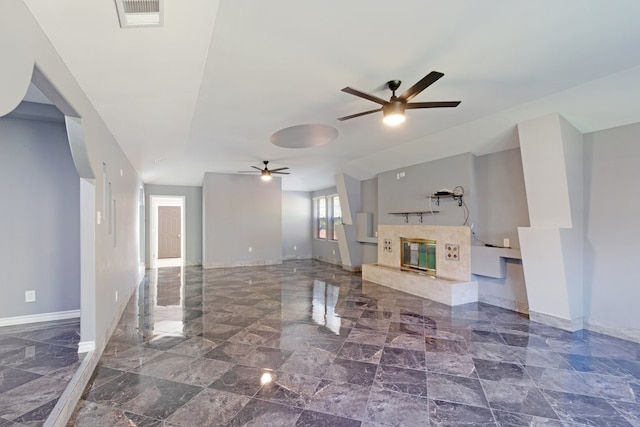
(153, 224)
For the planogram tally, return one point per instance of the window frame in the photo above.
(328, 216)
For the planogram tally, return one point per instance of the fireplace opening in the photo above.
(418, 255)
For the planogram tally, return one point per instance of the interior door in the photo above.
(169, 228)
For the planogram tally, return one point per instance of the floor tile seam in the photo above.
(613, 402)
(487, 399)
(34, 409)
(40, 375)
(457, 376)
(584, 376)
(256, 397)
(598, 396)
(547, 399)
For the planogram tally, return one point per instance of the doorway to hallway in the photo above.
(167, 231)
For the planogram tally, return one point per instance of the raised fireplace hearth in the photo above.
(423, 265)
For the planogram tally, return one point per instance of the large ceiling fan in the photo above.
(393, 110)
(265, 174)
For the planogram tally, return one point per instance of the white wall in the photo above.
(612, 230)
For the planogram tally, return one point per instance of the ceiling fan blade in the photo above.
(246, 171)
(365, 95)
(353, 116)
(255, 167)
(281, 173)
(437, 104)
(277, 169)
(426, 81)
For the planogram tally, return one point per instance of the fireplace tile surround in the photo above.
(453, 284)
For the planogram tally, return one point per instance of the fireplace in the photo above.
(418, 255)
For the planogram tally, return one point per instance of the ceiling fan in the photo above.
(265, 174)
(393, 110)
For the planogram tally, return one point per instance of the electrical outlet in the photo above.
(29, 296)
(30, 351)
(295, 248)
(116, 296)
(334, 251)
(98, 217)
(506, 243)
(452, 252)
(250, 249)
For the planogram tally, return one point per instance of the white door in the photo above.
(169, 225)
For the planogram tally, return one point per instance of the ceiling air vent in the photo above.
(140, 13)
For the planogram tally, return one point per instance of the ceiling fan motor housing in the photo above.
(393, 107)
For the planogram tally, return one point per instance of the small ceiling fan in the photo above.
(265, 174)
(393, 110)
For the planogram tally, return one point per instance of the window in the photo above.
(320, 215)
(336, 216)
(327, 215)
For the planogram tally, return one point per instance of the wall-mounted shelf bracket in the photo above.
(436, 198)
(419, 214)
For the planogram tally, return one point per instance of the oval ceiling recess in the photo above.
(304, 136)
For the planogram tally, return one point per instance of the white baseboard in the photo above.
(630, 334)
(570, 325)
(61, 413)
(86, 346)
(42, 317)
(65, 406)
(501, 302)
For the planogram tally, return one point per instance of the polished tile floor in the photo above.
(308, 344)
(37, 362)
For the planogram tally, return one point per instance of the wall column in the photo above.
(349, 194)
(552, 247)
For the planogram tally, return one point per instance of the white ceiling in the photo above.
(205, 92)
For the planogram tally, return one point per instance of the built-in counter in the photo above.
(490, 261)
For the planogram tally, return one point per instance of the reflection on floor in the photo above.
(308, 344)
(37, 362)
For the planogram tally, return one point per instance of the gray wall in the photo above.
(325, 250)
(409, 193)
(494, 194)
(39, 220)
(369, 203)
(240, 212)
(502, 199)
(111, 263)
(612, 229)
(502, 208)
(193, 218)
(296, 225)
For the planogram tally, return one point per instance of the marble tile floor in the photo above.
(308, 344)
(37, 362)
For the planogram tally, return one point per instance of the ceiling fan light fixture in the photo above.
(393, 113)
(265, 175)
